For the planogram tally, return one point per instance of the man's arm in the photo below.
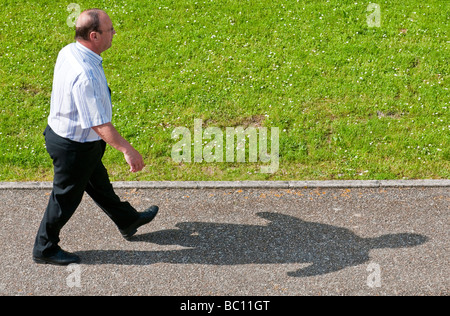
(111, 136)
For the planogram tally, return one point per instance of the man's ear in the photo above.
(93, 36)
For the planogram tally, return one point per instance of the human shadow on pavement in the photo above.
(285, 240)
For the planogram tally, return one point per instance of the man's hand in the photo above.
(134, 160)
(111, 136)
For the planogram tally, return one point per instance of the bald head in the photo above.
(87, 22)
(94, 29)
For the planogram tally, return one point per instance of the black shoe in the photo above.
(60, 258)
(144, 218)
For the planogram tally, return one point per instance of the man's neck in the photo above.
(89, 46)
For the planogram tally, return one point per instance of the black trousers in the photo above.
(78, 168)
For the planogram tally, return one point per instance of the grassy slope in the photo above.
(352, 102)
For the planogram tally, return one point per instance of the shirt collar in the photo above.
(89, 53)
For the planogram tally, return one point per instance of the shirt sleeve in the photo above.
(91, 103)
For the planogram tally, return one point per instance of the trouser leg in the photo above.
(101, 191)
(73, 165)
(57, 214)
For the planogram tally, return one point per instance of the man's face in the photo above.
(107, 33)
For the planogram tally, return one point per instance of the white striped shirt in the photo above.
(81, 98)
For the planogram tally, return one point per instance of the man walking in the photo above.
(79, 127)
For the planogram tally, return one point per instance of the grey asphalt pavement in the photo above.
(241, 241)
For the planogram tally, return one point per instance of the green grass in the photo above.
(351, 102)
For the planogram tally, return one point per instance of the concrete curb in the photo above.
(247, 184)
